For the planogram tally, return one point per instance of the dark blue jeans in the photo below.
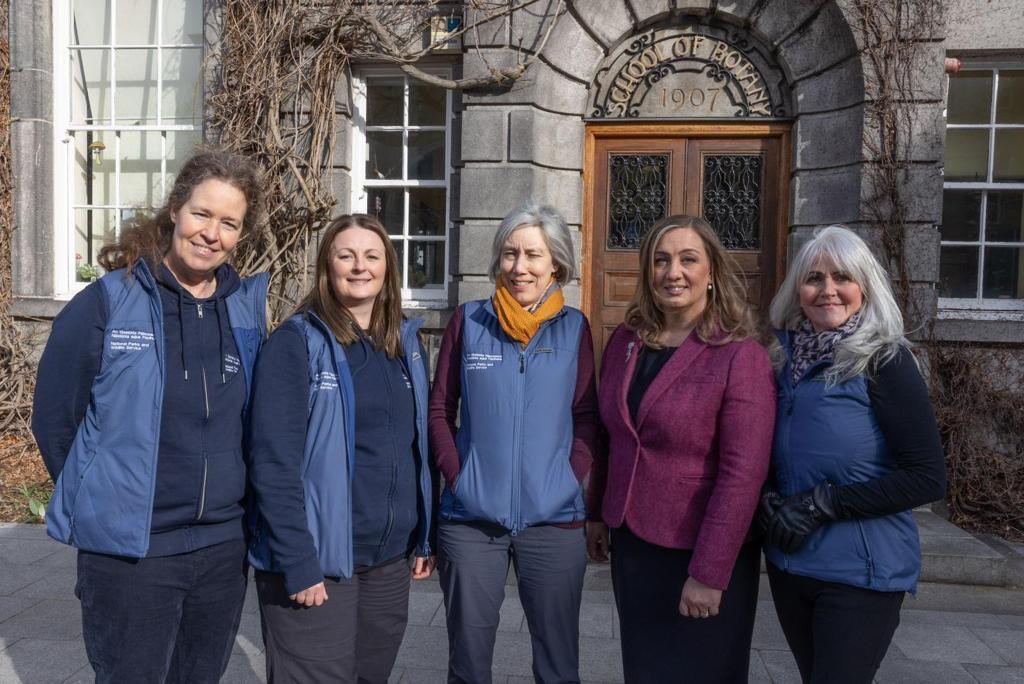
(166, 619)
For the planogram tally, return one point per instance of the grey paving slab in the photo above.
(22, 531)
(63, 557)
(993, 674)
(949, 617)
(1008, 643)
(12, 605)
(423, 606)
(512, 654)
(423, 647)
(8, 641)
(26, 551)
(908, 671)
(781, 667)
(41, 660)
(944, 643)
(596, 620)
(600, 660)
(757, 672)
(250, 638)
(83, 676)
(16, 577)
(252, 602)
(245, 669)
(54, 583)
(47, 619)
(767, 630)
(424, 676)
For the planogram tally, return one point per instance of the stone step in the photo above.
(954, 556)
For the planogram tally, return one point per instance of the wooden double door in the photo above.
(734, 176)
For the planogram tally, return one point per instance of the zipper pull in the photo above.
(199, 309)
(522, 362)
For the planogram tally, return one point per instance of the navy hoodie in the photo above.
(200, 482)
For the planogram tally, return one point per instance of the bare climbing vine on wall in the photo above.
(979, 414)
(273, 96)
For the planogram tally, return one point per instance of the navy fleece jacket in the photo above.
(200, 472)
(385, 493)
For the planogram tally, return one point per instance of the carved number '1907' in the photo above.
(677, 98)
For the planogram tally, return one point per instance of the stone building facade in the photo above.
(750, 112)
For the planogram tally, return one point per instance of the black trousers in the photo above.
(166, 619)
(838, 633)
(658, 644)
(353, 637)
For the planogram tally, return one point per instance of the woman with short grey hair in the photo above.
(517, 370)
(856, 448)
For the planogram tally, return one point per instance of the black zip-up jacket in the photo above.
(200, 482)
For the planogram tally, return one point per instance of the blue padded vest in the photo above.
(103, 500)
(831, 433)
(329, 456)
(516, 427)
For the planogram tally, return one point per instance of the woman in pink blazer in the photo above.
(688, 399)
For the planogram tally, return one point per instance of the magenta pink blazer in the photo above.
(688, 475)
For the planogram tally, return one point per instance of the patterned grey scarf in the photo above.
(810, 347)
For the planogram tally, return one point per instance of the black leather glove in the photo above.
(801, 514)
(769, 503)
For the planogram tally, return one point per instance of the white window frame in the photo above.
(980, 303)
(425, 298)
(65, 283)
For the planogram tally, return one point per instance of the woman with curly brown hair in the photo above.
(138, 413)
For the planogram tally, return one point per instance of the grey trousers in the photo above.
(473, 560)
(353, 637)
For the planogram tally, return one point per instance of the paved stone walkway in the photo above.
(950, 633)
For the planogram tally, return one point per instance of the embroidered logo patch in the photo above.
(121, 340)
(479, 361)
(325, 380)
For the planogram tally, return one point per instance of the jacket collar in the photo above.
(681, 359)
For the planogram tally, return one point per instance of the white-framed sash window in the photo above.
(128, 113)
(982, 248)
(401, 171)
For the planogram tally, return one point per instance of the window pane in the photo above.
(136, 22)
(1009, 162)
(958, 272)
(399, 245)
(93, 229)
(180, 146)
(136, 86)
(182, 91)
(426, 155)
(386, 205)
(426, 265)
(966, 155)
(383, 156)
(426, 105)
(970, 97)
(1010, 98)
(90, 22)
(1004, 221)
(141, 185)
(90, 86)
(384, 101)
(961, 215)
(93, 172)
(183, 22)
(1004, 273)
(426, 211)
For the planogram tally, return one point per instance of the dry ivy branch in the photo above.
(278, 64)
(981, 421)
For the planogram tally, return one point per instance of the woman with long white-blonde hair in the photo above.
(856, 448)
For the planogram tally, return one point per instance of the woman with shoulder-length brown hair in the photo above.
(139, 412)
(688, 401)
(338, 465)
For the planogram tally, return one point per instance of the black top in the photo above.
(904, 412)
(648, 365)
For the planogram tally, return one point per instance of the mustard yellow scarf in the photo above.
(521, 324)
